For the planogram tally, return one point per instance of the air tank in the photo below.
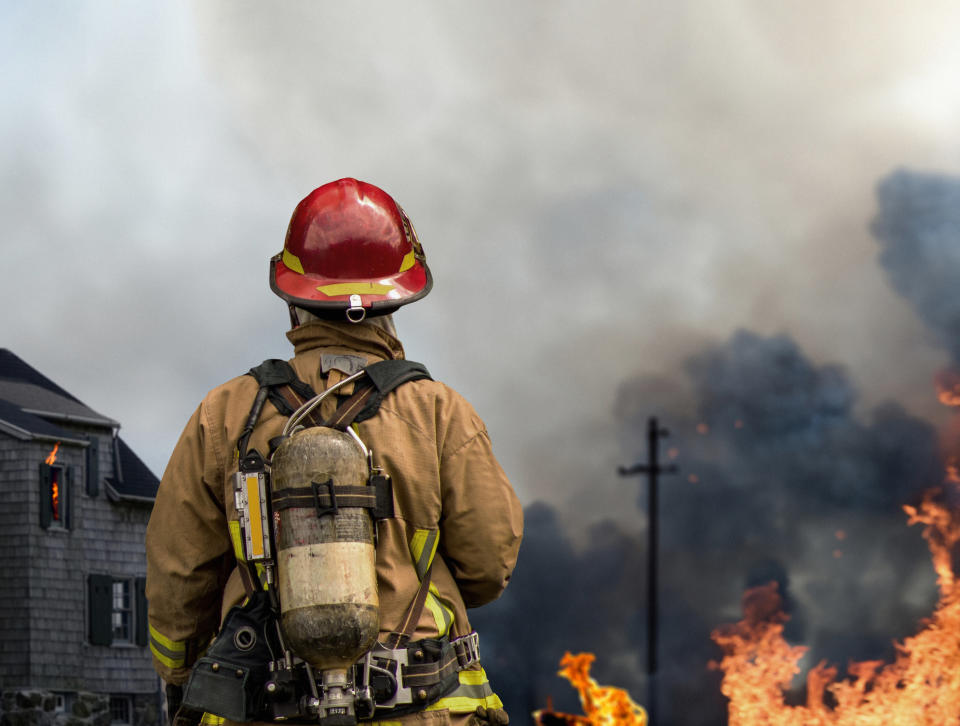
(326, 564)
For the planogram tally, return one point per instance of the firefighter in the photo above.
(350, 259)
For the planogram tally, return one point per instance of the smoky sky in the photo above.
(598, 190)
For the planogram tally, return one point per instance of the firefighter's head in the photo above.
(350, 253)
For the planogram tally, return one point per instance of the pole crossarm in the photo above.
(653, 470)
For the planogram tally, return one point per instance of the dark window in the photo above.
(118, 610)
(121, 710)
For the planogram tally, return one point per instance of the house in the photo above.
(74, 505)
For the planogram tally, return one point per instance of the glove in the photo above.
(176, 713)
(489, 716)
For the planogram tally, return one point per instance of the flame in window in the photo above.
(54, 483)
(55, 495)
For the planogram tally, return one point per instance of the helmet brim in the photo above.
(326, 296)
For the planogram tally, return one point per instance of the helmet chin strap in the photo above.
(294, 320)
(299, 316)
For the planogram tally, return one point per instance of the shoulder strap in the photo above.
(382, 378)
(278, 384)
(273, 374)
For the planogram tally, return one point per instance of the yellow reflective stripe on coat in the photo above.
(441, 613)
(237, 539)
(172, 653)
(474, 690)
(423, 547)
(209, 719)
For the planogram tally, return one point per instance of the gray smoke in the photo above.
(779, 480)
(918, 228)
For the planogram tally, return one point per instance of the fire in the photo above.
(55, 499)
(54, 483)
(921, 688)
(948, 387)
(603, 705)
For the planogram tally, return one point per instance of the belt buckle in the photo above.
(402, 695)
(468, 649)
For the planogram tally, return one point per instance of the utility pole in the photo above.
(652, 469)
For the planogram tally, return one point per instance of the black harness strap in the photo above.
(273, 374)
(325, 497)
(411, 617)
(382, 377)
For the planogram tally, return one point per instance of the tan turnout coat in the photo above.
(426, 437)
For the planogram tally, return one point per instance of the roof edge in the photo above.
(24, 435)
(116, 496)
(102, 421)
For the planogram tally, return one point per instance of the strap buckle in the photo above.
(467, 649)
(391, 662)
(315, 488)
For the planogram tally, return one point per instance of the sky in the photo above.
(607, 193)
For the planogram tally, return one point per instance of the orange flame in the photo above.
(603, 705)
(947, 383)
(55, 499)
(52, 456)
(921, 688)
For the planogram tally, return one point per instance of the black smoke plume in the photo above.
(779, 480)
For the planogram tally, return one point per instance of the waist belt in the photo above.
(408, 679)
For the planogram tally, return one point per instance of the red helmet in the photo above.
(350, 250)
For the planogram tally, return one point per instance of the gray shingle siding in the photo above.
(43, 609)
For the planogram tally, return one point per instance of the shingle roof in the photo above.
(34, 393)
(136, 479)
(31, 405)
(15, 422)
(13, 368)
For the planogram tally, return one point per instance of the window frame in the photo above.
(63, 475)
(124, 614)
(127, 701)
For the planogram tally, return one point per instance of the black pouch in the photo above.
(229, 679)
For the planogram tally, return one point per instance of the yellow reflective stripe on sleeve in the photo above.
(172, 653)
(175, 646)
(474, 690)
(237, 540)
(292, 261)
(165, 659)
(209, 719)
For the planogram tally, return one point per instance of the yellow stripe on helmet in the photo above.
(409, 260)
(355, 288)
(292, 261)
